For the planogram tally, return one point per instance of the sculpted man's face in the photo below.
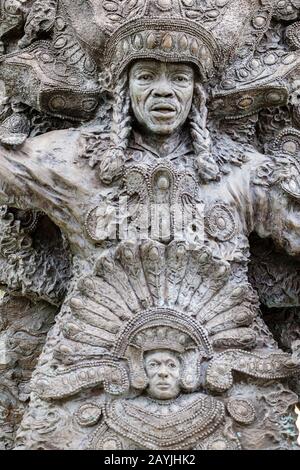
(163, 371)
(161, 95)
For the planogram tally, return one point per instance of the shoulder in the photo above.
(52, 159)
(276, 174)
(281, 168)
(255, 168)
(274, 169)
(45, 149)
(236, 160)
(61, 144)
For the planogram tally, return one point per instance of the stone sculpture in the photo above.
(146, 148)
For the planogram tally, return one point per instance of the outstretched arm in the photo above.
(44, 175)
(276, 189)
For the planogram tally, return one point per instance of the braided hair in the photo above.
(111, 166)
(206, 167)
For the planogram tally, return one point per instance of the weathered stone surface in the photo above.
(23, 330)
(150, 224)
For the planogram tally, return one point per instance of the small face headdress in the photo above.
(164, 329)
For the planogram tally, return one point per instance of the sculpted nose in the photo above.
(163, 373)
(163, 89)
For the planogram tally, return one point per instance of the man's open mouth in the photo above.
(163, 385)
(163, 109)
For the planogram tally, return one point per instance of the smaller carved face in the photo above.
(161, 94)
(163, 371)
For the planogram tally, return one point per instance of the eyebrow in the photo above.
(153, 67)
(143, 66)
(182, 67)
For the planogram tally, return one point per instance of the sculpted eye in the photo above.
(145, 77)
(172, 365)
(181, 78)
(152, 365)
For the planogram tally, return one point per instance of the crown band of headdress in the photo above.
(167, 40)
(163, 328)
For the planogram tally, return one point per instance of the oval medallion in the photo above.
(241, 411)
(220, 223)
(88, 415)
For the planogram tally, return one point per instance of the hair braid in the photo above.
(111, 166)
(206, 166)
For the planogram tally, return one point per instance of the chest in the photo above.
(161, 203)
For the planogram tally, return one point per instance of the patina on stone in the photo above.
(150, 224)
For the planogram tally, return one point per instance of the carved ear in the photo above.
(190, 374)
(138, 377)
